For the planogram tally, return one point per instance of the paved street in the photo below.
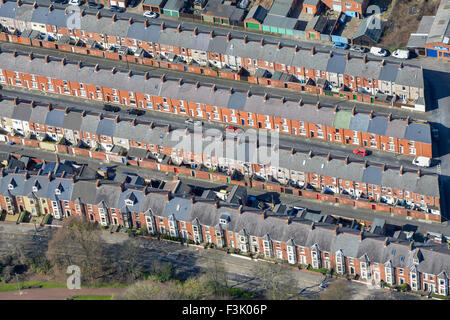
(313, 205)
(319, 147)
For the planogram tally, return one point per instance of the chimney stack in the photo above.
(336, 109)
(98, 15)
(113, 70)
(130, 21)
(133, 122)
(313, 50)
(317, 105)
(347, 56)
(288, 221)
(30, 56)
(146, 23)
(79, 64)
(384, 167)
(63, 61)
(336, 230)
(34, 4)
(386, 241)
(163, 78)
(346, 160)
(168, 128)
(33, 104)
(228, 36)
(162, 25)
(295, 48)
(383, 62)
(310, 154)
(97, 183)
(168, 196)
(231, 90)
(353, 111)
(365, 164)
(279, 46)
(283, 99)
(312, 226)
(195, 31)
(197, 85)
(193, 199)
(330, 54)
(245, 39)
(266, 96)
(241, 209)
(401, 170)
(419, 173)
(389, 118)
(411, 245)
(249, 94)
(147, 76)
(16, 101)
(216, 204)
(47, 58)
(49, 107)
(300, 102)
(116, 119)
(180, 82)
(407, 120)
(213, 88)
(130, 73)
(371, 114)
(264, 214)
(96, 68)
(179, 28)
(328, 157)
(262, 42)
(211, 34)
(50, 8)
(361, 235)
(365, 59)
(114, 18)
(83, 114)
(49, 176)
(292, 151)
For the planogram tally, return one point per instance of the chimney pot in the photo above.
(336, 230)
(63, 61)
(249, 93)
(130, 21)
(162, 25)
(353, 111)
(384, 167)
(328, 157)
(228, 36)
(371, 114)
(389, 118)
(266, 96)
(163, 78)
(146, 23)
(401, 171)
(96, 68)
(346, 160)
(179, 28)
(30, 56)
(114, 18)
(262, 42)
(47, 59)
(347, 56)
(279, 46)
(245, 39)
(312, 226)
(292, 151)
(79, 64)
(419, 173)
(365, 59)
(310, 154)
(193, 199)
(317, 105)
(195, 31)
(168, 128)
(180, 82)
(98, 15)
(313, 50)
(241, 209)
(211, 34)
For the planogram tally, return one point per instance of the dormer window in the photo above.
(57, 191)
(224, 219)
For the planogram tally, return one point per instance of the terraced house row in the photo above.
(94, 131)
(341, 72)
(208, 101)
(55, 190)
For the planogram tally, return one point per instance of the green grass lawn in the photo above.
(91, 297)
(44, 284)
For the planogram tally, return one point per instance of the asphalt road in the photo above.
(239, 86)
(313, 205)
(318, 147)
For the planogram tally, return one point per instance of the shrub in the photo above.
(404, 287)
(189, 241)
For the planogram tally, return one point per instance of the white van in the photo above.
(422, 161)
(401, 54)
(379, 52)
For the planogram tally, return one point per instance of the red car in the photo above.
(233, 129)
(361, 152)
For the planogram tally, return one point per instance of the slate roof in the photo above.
(185, 39)
(367, 28)
(280, 22)
(258, 13)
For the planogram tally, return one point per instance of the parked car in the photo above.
(75, 2)
(360, 152)
(358, 49)
(340, 45)
(401, 54)
(136, 112)
(150, 14)
(94, 5)
(189, 121)
(60, 1)
(116, 9)
(379, 52)
(107, 107)
(233, 129)
(422, 161)
(323, 285)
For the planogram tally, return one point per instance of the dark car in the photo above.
(136, 112)
(111, 108)
(94, 5)
(132, 3)
(116, 9)
(60, 1)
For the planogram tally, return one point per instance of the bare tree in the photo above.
(216, 273)
(337, 290)
(78, 242)
(276, 281)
